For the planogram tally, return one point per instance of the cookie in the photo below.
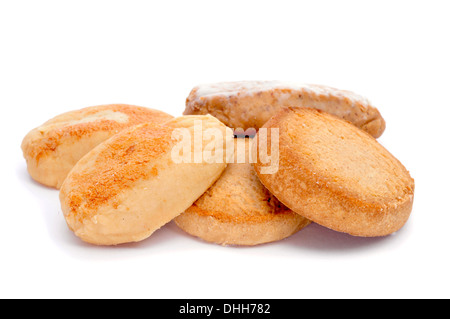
(137, 181)
(249, 105)
(239, 210)
(335, 174)
(53, 149)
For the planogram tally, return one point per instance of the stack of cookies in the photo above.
(248, 163)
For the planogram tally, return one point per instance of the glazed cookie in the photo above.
(239, 210)
(335, 174)
(52, 149)
(249, 105)
(139, 180)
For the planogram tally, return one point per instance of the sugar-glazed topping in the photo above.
(243, 88)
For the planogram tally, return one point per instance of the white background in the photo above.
(57, 56)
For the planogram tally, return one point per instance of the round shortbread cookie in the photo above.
(53, 149)
(250, 104)
(335, 174)
(238, 209)
(133, 184)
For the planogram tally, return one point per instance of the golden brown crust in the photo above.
(336, 175)
(130, 185)
(248, 105)
(52, 149)
(239, 210)
(118, 165)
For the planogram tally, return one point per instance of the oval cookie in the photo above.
(249, 105)
(335, 174)
(134, 183)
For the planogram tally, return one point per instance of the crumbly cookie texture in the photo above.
(336, 175)
(250, 104)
